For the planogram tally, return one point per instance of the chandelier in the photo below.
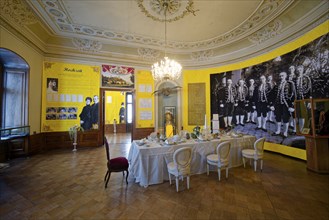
(166, 69)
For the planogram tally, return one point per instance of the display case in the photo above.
(312, 121)
(14, 142)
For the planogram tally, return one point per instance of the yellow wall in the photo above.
(112, 108)
(144, 77)
(35, 60)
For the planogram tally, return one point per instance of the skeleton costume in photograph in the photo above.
(284, 108)
(303, 91)
(263, 99)
(240, 104)
(228, 103)
(270, 113)
(251, 101)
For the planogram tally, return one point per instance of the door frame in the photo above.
(102, 103)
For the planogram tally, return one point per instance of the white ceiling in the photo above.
(203, 33)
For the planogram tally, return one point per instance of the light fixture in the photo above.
(166, 69)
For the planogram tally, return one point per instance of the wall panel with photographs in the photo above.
(70, 96)
(259, 100)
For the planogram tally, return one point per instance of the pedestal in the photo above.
(317, 152)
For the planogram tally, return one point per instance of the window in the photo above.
(14, 90)
(129, 103)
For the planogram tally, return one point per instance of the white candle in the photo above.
(205, 121)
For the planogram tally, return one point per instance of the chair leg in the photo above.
(255, 165)
(218, 170)
(127, 176)
(261, 165)
(226, 172)
(107, 173)
(188, 181)
(169, 178)
(177, 183)
(207, 169)
(108, 178)
(244, 162)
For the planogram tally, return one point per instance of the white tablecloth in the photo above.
(148, 163)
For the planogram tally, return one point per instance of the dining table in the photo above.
(148, 159)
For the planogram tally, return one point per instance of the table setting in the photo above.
(149, 156)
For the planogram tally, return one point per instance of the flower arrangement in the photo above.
(73, 133)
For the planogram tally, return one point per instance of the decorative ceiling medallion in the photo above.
(18, 11)
(87, 45)
(267, 9)
(269, 31)
(202, 55)
(148, 54)
(176, 9)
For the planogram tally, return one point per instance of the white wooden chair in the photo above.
(181, 166)
(221, 158)
(256, 154)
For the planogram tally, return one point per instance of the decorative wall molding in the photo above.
(202, 55)
(148, 54)
(87, 45)
(269, 31)
(17, 11)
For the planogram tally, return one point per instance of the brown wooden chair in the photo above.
(118, 164)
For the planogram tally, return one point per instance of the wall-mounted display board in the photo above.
(196, 103)
(69, 96)
(259, 100)
(118, 76)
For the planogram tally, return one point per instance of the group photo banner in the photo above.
(260, 99)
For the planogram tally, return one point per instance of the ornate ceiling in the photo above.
(200, 33)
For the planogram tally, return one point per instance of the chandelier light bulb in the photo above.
(166, 69)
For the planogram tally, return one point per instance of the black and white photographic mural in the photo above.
(259, 99)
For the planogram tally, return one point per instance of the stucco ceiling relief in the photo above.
(176, 9)
(148, 54)
(17, 11)
(87, 45)
(202, 55)
(269, 31)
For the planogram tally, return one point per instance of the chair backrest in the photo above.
(259, 146)
(223, 151)
(107, 148)
(182, 159)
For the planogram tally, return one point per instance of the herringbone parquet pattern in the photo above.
(67, 185)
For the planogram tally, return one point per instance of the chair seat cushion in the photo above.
(119, 163)
(171, 167)
(249, 153)
(213, 159)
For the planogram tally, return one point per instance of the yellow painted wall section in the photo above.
(113, 100)
(144, 78)
(35, 60)
(195, 76)
(286, 150)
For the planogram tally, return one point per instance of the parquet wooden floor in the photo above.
(64, 185)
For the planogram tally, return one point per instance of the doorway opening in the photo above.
(118, 116)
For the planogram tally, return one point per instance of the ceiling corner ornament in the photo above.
(148, 54)
(87, 45)
(18, 11)
(202, 55)
(176, 9)
(269, 31)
